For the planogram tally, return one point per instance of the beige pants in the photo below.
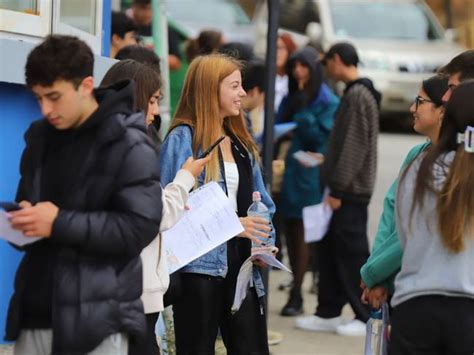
(39, 342)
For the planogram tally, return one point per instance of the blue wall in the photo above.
(18, 109)
(106, 27)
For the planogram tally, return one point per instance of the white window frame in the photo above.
(27, 24)
(15, 24)
(93, 40)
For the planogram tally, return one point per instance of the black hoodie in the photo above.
(369, 85)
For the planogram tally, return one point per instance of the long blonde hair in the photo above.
(198, 107)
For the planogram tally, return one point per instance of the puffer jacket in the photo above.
(111, 212)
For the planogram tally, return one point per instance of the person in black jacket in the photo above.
(90, 189)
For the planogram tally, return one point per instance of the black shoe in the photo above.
(294, 306)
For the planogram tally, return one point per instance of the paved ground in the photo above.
(392, 150)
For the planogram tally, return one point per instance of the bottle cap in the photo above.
(376, 313)
(256, 196)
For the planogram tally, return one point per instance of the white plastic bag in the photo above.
(377, 336)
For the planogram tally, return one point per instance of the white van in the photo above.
(399, 42)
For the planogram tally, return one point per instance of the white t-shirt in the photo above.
(232, 182)
(281, 89)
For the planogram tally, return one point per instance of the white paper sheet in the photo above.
(280, 129)
(267, 255)
(316, 221)
(209, 222)
(12, 235)
(244, 279)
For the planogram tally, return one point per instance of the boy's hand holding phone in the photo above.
(34, 221)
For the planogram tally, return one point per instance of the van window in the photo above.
(384, 20)
(296, 14)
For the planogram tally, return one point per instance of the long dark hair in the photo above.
(147, 81)
(455, 205)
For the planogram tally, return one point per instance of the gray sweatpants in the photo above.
(39, 342)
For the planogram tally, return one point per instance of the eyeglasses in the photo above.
(419, 100)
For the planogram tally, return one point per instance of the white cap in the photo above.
(256, 196)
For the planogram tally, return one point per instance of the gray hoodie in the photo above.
(429, 268)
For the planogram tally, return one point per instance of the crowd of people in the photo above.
(99, 186)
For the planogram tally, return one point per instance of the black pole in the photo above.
(270, 64)
(449, 13)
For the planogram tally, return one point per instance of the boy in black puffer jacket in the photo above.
(90, 188)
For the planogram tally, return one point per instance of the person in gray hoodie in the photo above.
(434, 291)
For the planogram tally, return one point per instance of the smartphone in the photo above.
(209, 150)
(10, 206)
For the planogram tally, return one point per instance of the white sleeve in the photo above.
(175, 196)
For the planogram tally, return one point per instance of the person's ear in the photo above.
(87, 86)
(441, 111)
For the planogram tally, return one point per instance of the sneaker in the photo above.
(354, 328)
(318, 324)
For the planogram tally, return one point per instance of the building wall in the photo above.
(19, 109)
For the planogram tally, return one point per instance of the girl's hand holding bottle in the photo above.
(255, 228)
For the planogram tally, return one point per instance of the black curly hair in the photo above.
(59, 58)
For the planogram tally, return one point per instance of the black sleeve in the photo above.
(135, 218)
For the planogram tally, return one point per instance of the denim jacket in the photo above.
(176, 148)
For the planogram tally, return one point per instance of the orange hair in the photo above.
(199, 108)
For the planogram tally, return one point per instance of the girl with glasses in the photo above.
(385, 259)
(434, 291)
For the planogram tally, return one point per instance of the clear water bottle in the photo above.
(258, 209)
(374, 340)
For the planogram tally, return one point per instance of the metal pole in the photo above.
(160, 45)
(449, 13)
(270, 64)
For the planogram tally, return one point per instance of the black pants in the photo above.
(205, 308)
(341, 254)
(150, 345)
(433, 325)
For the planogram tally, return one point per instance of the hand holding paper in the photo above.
(13, 236)
(316, 220)
(244, 279)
